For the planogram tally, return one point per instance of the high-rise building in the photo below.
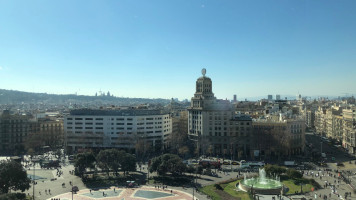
(270, 97)
(278, 97)
(235, 98)
(214, 127)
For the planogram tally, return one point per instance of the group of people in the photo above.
(331, 180)
(59, 172)
(48, 192)
(163, 187)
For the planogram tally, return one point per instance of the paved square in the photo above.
(99, 194)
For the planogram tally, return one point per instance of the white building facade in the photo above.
(100, 129)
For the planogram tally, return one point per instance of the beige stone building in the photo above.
(50, 131)
(13, 132)
(279, 138)
(349, 129)
(320, 121)
(213, 125)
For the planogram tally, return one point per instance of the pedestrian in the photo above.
(46, 191)
(114, 189)
(103, 194)
(90, 191)
(49, 191)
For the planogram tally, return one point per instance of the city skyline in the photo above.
(157, 50)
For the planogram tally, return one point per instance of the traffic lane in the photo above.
(330, 150)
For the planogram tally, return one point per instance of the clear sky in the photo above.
(157, 48)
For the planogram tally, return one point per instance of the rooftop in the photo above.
(126, 112)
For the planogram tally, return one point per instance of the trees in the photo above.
(109, 159)
(183, 151)
(273, 170)
(143, 149)
(167, 163)
(128, 162)
(84, 161)
(34, 142)
(113, 159)
(13, 177)
(294, 174)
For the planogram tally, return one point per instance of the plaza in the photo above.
(114, 193)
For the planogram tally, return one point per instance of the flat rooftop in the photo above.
(125, 112)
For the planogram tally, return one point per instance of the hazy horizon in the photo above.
(254, 98)
(156, 49)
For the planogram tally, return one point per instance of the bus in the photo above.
(251, 164)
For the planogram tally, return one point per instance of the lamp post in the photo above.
(231, 156)
(301, 188)
(33, 177)
(195, 181)
(33, 181)
(193, 192)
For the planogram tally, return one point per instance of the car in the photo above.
(226, 163)
(235, 163)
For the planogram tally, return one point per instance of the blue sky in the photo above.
(157, 48)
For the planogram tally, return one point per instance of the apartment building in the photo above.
(50, 130)
(310, 119)
(13, 132)
(320, 121)
(16, 130)
(278, 138)
(349, 129)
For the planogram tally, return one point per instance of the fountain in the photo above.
(261, 184)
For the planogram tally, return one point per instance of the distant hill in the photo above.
(18, 97)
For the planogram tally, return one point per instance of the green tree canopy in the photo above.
(294, 174)
(13, 177)
(113, 159)
(128, 162)
(84, 161)
(273, 170)
(167, 163)
(109, 159)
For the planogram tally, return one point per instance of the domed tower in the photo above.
(203, 91)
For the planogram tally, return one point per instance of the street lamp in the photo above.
(33, 177)
(33, 181)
